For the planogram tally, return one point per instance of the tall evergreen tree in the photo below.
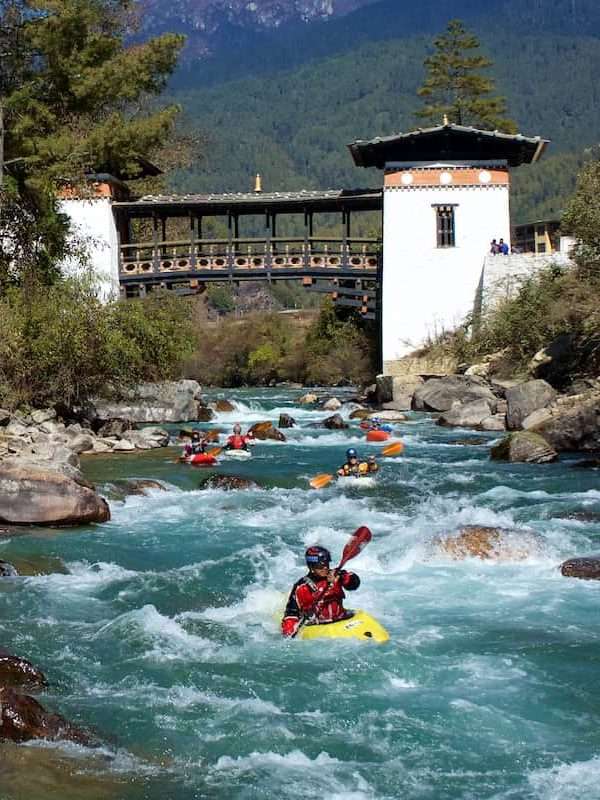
(456, 89)
(76, 94)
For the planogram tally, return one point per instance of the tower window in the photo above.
(445, 225)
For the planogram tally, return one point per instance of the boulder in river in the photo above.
(266, 430)
(32, 496)
(495, 422)
(308, 399)
(170, 401)
(285, 421)
(387, 415)
(138, 486)
(18, 673)
(204, 414)
(361, 413)
(469, 415)
(440, 394)
(572, 422)
(23, 719)
(335, 423)
(526, 398)
(333, 404)
(7, 570)
(403, 391)
(223, 406)
(587, 567)
(488, 543)
(228, 483)
(524, 446)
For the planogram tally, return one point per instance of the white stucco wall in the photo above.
(93, 221)
(427, 289)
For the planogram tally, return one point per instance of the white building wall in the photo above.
(94, 223)
(427, 289)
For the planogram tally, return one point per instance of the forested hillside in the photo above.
(292, 125)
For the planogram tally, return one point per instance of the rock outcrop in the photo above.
(18, 673)
(308, 399)
(137, 486)
(440, 394)
(334, 423)
(171, 401)
(469, 415)
(286, 421)
(526, 398)
(30, 496)
(223, 406)
(572, 422)
(403, 391)
(23, 719)
(228, 483)
(524, 446)
(479, 541)
(8, 570)
(266, 430)
(554, 362)
(333, 404)
(361, 413)
(587, 567)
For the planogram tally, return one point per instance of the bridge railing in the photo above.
(249, 254)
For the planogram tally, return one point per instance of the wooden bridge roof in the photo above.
(448, 142)
(329, 200)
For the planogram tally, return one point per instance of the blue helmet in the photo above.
(351, 453)
(318, 557)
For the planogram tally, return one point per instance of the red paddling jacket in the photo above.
(316, 601)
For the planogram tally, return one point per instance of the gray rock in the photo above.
(587, 568)
(7, 571)
(384, 389)
(286, 421)
(42, 415)
(469, 415)
(403, 390)
(440, 394)
(18, 673)
(15, 428)
(113, 427)
(171, 401)
(526, 398)
(30, 496)
(496, 422)
(81, 443)
(333, 404)
(4, 416)
(308, 399)
(123, 446)
(554, 362)
(387, 415)
(524, 446)
(574, 423)
(51, 427)
(335, 422)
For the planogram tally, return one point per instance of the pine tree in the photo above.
(456, 89)
(77, 94)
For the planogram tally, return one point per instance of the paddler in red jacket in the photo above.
(318, 598)
(236, 441)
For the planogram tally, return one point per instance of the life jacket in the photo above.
(329, 607)
(237, 442)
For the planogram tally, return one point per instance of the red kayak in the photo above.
(204, 459)
(377, 436)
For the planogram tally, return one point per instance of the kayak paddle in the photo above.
(321, 481)
(393, 449)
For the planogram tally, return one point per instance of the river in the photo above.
(163, 636)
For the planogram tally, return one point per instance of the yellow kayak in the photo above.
(359, 626)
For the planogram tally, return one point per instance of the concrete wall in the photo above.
(93, 221)
(427, 289)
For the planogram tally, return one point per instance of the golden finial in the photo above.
(258, 183)
(446, 119)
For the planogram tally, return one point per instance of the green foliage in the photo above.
(260, 348)
(61, 344)
(73, 94)
(582, 218)
(220, 297)
(455, 88)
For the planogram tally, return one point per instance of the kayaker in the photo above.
(195, 446)
(237, 441)
(356, 468)
(318, 598)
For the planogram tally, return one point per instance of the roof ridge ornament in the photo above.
(445, 120)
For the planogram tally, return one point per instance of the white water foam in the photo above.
(567, 781)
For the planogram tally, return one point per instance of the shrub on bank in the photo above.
(59, 343)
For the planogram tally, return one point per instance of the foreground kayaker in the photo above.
(237, 441)
(354, 467)
(318, 598)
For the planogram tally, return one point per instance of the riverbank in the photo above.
(161, 636)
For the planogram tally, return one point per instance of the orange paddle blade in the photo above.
(321, 481)
(393, 449)
(215, 452)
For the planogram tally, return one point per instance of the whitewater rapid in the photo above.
(163, 635)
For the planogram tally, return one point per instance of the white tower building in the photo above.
(446, 197)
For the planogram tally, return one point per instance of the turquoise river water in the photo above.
(162, 637)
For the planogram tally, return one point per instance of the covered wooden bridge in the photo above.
(163, 242)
